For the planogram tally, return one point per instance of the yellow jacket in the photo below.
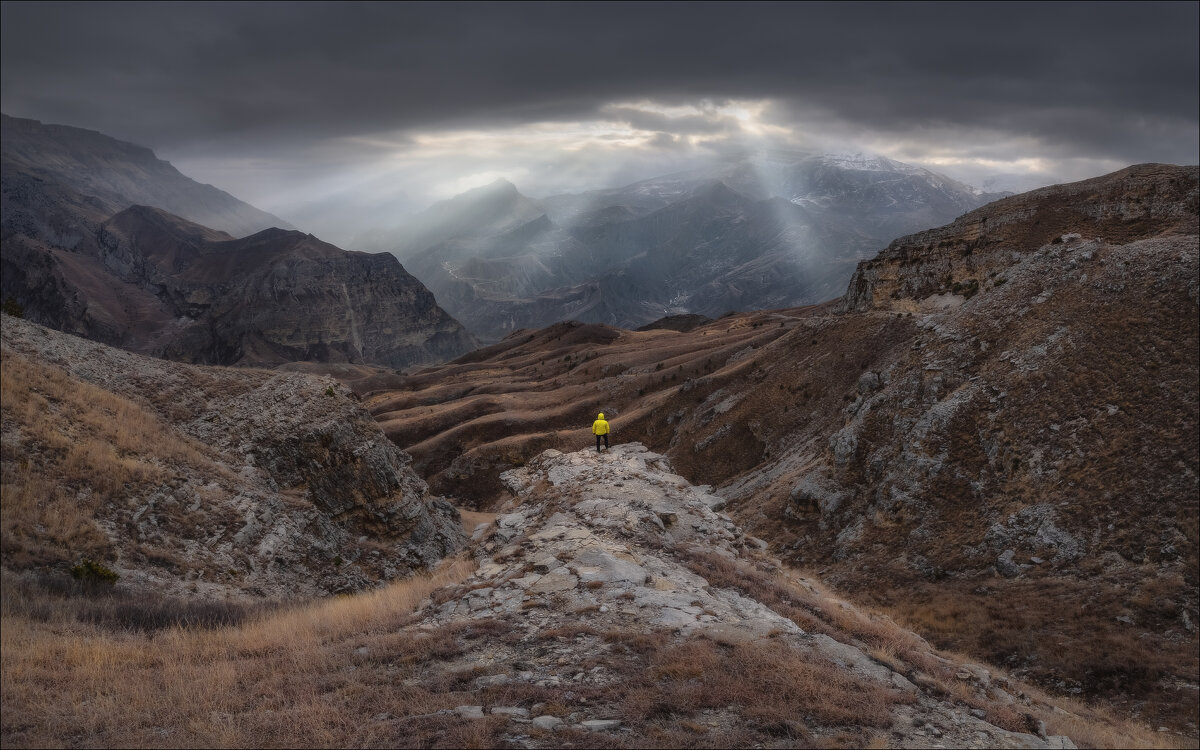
(600, 427)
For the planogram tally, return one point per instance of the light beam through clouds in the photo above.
(342, 185)
(328, 112)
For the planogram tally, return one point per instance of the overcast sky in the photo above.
(389, 106)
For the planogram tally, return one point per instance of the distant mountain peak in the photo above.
(868, 162)
(118, 174)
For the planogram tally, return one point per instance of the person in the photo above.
(600, 430)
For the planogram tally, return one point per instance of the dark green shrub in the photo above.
(90, 571)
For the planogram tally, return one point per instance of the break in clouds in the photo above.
(339, 113)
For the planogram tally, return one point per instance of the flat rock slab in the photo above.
(598, 564)
(548, 722)
(559, 579)
(469, 712)
(600, 725)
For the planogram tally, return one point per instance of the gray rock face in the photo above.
(579, 559)
(940, 266)
(1006, 565)
(295, 492)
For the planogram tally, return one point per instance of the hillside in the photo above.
(78, 254)
(202, 483)
(607, 605)
(611, 599)
(999, 421)
(113, 175)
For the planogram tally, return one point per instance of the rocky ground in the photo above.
(996, 425)
(590, 588)
(197, 481)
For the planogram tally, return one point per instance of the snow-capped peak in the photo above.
(861, 162)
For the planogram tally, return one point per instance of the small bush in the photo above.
(13, 308)
(90, 571)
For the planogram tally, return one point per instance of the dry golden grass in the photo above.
(765, 692)
(471, 519)
(284, 679)
(1019, 624)
(69, 449)
(816, 608)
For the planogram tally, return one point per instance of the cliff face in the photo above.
(79, 257)
(276, 296)
(210, 480)
(157, 284)
(958, 259)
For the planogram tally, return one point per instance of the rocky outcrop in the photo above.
(942, 266)
(255, 482)
(599, 556)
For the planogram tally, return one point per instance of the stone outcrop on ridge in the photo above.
(596, 547)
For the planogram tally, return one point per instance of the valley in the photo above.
(951, 441)
(955, 506)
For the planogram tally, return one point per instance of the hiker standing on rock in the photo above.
(600, 430)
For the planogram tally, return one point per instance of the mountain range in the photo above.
(102, 239)
(767, 231)
(996, 424)
(984, 429)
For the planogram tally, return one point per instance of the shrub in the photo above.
(13, 308)
(90, 571)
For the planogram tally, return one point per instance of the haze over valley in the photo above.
(887, 317)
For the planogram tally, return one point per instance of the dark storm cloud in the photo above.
(1110, 80)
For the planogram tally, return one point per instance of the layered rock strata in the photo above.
(924, 270)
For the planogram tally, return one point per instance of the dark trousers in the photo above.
(598, 437)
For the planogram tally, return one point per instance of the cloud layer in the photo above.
(282, 103)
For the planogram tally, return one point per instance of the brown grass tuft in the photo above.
(283, 675)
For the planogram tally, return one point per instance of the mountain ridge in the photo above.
(972, 444)
(148, 279)
(797, 228)
(119, 174)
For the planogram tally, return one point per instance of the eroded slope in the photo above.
(209, 480)
(983, 446)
